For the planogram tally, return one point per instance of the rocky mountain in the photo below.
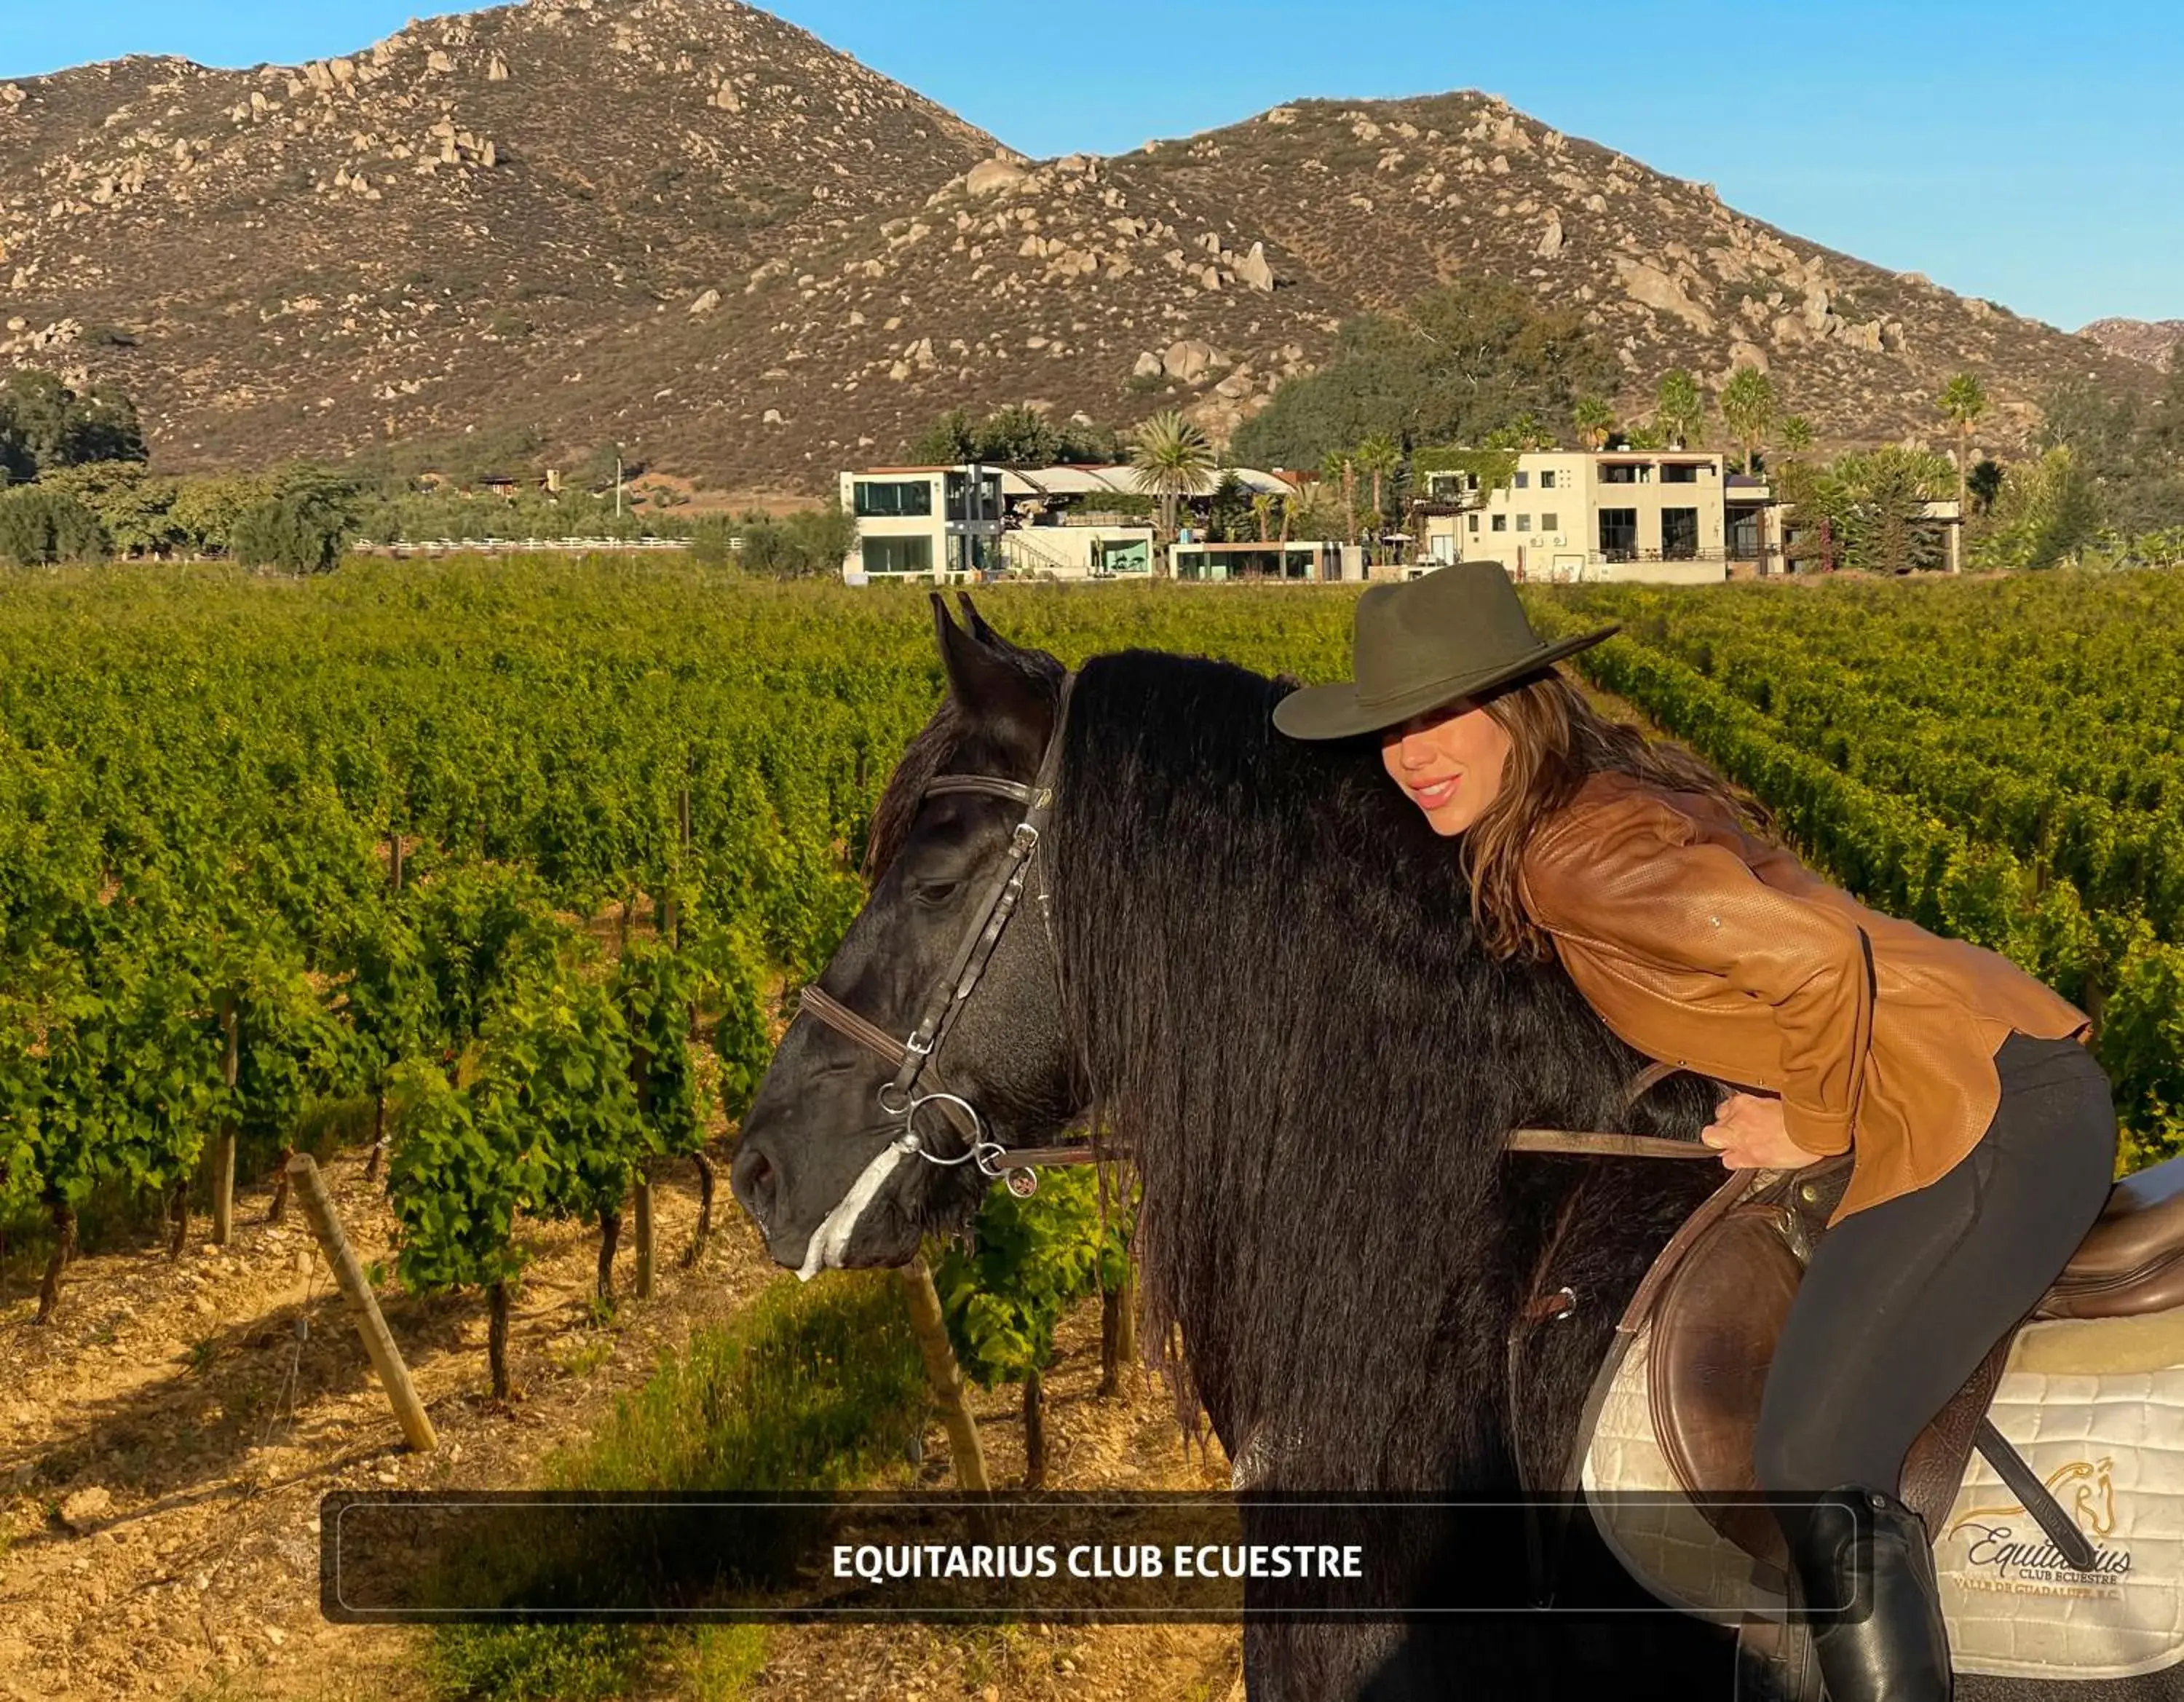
(687, 226)
(2152, 341)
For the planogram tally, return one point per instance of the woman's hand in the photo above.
(1747, 1131)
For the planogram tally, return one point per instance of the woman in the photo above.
(1981, 1130)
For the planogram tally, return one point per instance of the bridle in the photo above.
(913, 1056)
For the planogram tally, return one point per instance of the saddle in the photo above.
(1716, 1298)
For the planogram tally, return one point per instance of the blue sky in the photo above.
(2029, 153)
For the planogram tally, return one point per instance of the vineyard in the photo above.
(2000, 760)
(498, 868)
(494, 877)
(501, 867)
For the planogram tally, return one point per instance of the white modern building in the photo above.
(958, 523)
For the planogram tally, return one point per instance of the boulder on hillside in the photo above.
(991, 177)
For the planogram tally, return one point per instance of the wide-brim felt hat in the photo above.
(1455, 632)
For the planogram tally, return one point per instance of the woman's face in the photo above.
(1448, 761)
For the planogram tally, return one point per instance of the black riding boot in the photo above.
(1900, 1651)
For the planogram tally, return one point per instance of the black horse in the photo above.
(1256, 969)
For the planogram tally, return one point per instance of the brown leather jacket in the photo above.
(1703, 945)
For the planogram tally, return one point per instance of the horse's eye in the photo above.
(935, 892)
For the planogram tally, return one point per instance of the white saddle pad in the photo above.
(2097, 1408)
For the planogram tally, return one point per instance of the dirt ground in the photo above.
(165, 1442)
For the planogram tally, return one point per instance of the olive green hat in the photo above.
(1457, 631)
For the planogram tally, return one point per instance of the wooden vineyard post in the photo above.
(965, 1450)
(386, 1358)
(641, 1193)
(223, 1150)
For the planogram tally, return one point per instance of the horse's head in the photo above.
(821, 1165)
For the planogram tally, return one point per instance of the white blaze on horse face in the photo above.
(831, 1239)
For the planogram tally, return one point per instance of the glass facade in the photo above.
(888, 498)
(989, 496)
(898, 555)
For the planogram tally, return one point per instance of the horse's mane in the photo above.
(1268, 957)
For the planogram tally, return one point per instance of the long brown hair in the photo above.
(1557, 740)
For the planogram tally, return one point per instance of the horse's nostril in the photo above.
(753, 1180)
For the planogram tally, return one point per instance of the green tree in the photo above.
(1866, 510)
(1339, 471)
(2129, 447)
(1797, 436)
(134, 507)
(2046, 509)
(1229, 509)
(44, 425)
(1679, 408)
(1455, 364)
(1594, 420)
(1748, 406)
(1379, 458)
(206, 510)
(1171, 460)
(38, 525)
(1962, 401)
(810, 543)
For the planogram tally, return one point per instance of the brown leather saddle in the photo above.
(1717, 1296)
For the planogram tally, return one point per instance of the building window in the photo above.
(1618, 534)
(1475, 523)
(1523, 480)
(1744, 534)
(1501, 523)
(1547, 479)
(1523, 523)
(1679, 534)
(1550, 523)
(898, 555)
(1627, 473)
(988, 495)
(886, 498)
(1679, 472)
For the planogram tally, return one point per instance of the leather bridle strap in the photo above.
(846, 1021)
(949, 993)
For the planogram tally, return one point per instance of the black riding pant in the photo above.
(1903, 1299)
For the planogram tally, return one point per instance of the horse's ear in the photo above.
(981, 680)
(980, 628)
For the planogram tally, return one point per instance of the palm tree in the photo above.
(1594, 420)
(1170, 458)
(1796, 434)
(1962, 399)
(1341, 467)
(1263, 511)
(1748, 404)
(1680, 408)
(1379, 455)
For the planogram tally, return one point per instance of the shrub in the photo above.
(37, 526)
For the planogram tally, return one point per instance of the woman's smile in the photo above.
(1431, 795)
